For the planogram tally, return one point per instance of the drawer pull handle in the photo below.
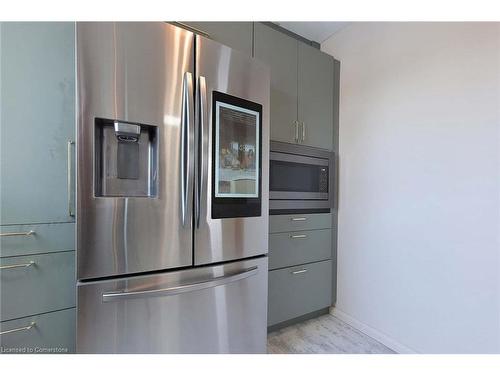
(298, 236)
(298, 218)
(28, 233)
(27, 328)
(299, 272)
(23, 265)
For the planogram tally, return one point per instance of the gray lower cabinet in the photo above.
(36, 284)
(36, 238)
(279, 52)
(53, 332)
(290, 223)
(292, 248)
(299, 290)
(315, 97)
(237, 35)
(37, 87)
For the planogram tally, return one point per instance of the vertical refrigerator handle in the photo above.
(187, 119)
(201, 96)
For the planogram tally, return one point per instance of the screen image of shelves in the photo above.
(237, 150)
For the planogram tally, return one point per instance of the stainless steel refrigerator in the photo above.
(172, 192)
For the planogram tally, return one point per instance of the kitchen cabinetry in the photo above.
(37, 115)
(301, 266)
(37, 243)
(237, 35)
(279, 52)
(302, 88)
(315, 97)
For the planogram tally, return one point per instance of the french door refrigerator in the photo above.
(172, 192)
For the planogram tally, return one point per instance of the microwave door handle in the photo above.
(180, 289)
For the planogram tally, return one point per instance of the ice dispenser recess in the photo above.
(125, 159)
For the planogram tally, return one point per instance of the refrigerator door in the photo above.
(135, 142)
(212, 309)
(232, 169)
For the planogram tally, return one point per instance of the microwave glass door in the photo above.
(298, 177)
(236, 157)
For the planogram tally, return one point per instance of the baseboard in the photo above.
(372, 332)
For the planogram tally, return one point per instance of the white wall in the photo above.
(419, 191)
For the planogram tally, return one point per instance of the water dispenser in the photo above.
(125, 159)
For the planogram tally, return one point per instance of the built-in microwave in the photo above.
(301, 179)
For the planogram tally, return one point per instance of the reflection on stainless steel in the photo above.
(132, 72)
(226, 318)
(230, 72)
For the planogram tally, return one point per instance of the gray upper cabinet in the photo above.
(237, 35)
(315, 97)
(279, 52)
(37, 120)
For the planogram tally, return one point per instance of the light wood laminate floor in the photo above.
(323, 335)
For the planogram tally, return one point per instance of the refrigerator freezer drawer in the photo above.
(213, 309)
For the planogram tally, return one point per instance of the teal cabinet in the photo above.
(237, 35)
(315, 97)
(36, 284)
(37, 158)
(50, 333)
(37, 90)
(279, 52)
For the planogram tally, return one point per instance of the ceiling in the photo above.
(315, 31)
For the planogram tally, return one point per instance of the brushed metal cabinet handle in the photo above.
(298, 236)
(298, 219)
(296, 137)
(299, 272)
(69, 183)
(27, 328)
(21, 265)
(12, 234)
(180, 289)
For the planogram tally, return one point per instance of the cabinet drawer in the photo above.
(44, 238)
(51, 333)
(296, 291)
(47, 284)
(290, 249)
(290, 223)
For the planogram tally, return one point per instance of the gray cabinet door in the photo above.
(36, 284)
(237, 35)
(37, 91)
(50, 333)
(279, 52)
(315, 97)
(299, 290)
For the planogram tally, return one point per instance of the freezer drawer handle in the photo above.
(23, 265)
(27, 328)
(164, 292)
(28, 233)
